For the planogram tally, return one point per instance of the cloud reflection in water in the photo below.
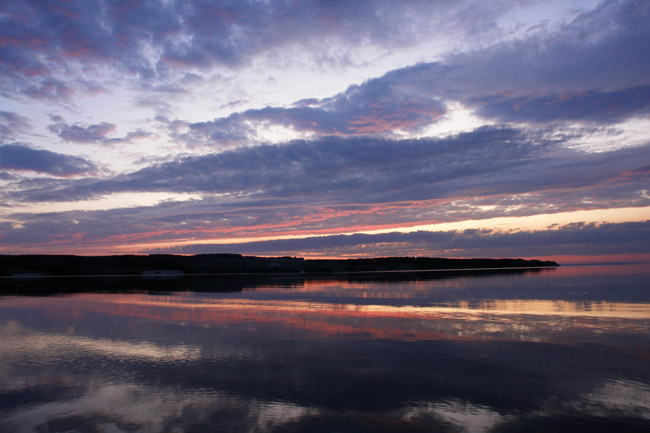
(468, 354)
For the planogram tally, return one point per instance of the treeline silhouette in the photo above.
(157, 265)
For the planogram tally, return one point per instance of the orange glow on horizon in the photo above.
(523, 223)
(137, 243)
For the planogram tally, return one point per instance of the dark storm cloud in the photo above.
(573, 239)
(18, 157)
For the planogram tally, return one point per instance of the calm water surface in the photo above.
(554, 350)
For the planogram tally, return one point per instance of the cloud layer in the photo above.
(18, 157)
(366, 115)
(575, 239)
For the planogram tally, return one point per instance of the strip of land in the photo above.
(169, 265)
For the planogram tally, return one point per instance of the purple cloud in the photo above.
(378, 167)
(371, 108)
(43, 37)
(602, 50)
(486, 162)
(592, 105)
(348, 184)
(377, 106)
(17, 157)
(81, 134)
(93, 133)
(129, 137)
(572, 239)
(12, 123)
(595, 64)
(594, 69)
(346, 114)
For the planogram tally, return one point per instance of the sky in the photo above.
(324, 128)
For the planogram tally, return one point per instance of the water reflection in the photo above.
(547, 351)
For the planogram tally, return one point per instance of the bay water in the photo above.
(560, 349)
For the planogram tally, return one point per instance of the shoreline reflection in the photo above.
(553, 351)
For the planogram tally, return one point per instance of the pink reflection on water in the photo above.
(567, 322)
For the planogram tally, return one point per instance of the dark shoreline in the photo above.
(163, 265)
(61, 284)
(277, 274)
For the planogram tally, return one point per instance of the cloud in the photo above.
(48, 88)
(357, 169)
(129, 137)
(81, 134)
(231, 34)
(18, 157)
(573, 239)
(336, 184)
(371, 108)
(592, 69)
(487, 161)
(589, 105)
(400, 100)
(44, 42)
(53, 50)
(11, 124)
(376, 169)
(223, 217)
(601, 49)
(93, 133)
(224, 131)
(484, 162)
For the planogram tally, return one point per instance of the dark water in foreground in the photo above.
(560, 350)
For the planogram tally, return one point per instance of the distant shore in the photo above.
(168, 265)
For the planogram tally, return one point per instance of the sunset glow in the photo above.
(502, 320)
(326, 129)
